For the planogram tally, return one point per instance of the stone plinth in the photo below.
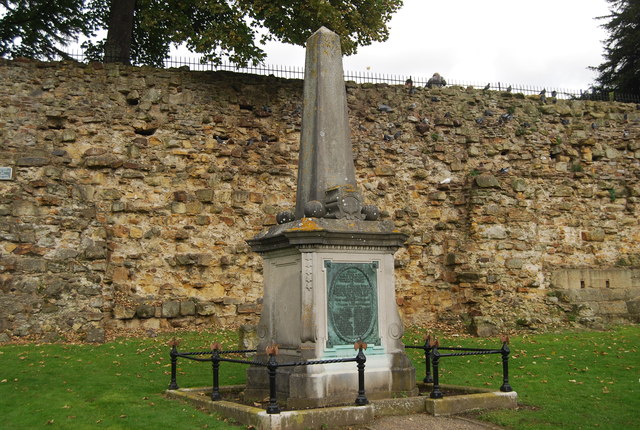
(310, 267)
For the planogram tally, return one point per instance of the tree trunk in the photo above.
(117, 48)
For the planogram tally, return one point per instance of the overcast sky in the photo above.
(543, 42)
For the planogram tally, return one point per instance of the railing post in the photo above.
(361, 400)
(435, 354)
(505, 365)
(427, 359)
(215, 363)
(272, 367)
(173, 385)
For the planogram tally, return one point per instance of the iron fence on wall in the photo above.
(361, 77)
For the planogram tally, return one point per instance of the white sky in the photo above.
(535, 42)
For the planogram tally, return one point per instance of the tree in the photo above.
(117, 46)
(219, 29)
(40, 28)
(620, 71)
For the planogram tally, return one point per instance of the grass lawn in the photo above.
(569, 380)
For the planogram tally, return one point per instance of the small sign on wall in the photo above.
(6, 173)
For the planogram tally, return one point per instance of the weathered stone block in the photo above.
(184, 259)
(101, 161)
(180, 196)
(248, 337)
(514, 263)
(596, 235)
(187, 308)
(120, 275)
(95, 335)
(494, 232)
(194, 207)
(239, 196)
(452, 259)
(384, 171)
(487, 181)
(31, 265)
(205, 195)
(633, 306)
(110, 194)
(483, 327)
(206, 309)
(121, 312)
(519, 185)
(23, 208)
(617, 307)
(178, 208)
(145, 311)
(248, 308)
(170, 309)
(96, 251)
(32, 161)
(470, 277)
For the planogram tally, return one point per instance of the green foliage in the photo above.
(612, 194)
(39, 28)
(217, 29)
(619, 71)
(576, 167)
(357, 22)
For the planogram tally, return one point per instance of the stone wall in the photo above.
(134, 190)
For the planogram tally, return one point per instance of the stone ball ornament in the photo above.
(370, 212)
(314, 209)
(285, 217)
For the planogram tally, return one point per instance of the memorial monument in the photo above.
(329, 267)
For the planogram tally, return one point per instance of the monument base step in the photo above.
(349, 415)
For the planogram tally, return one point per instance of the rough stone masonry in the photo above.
(134, 189)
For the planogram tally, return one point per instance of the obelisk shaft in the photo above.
(326, 156)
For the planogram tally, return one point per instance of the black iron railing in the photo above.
(272, 366)
(433, 355)
(297, 72)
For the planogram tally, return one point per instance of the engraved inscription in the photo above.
(352, 303)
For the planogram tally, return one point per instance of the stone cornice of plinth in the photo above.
(309, 232)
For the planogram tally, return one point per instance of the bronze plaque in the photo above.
(352, 303)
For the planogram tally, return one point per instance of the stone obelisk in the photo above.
(329, 267)
(326, 156)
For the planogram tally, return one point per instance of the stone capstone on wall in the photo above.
(612, 294)
(134, 191)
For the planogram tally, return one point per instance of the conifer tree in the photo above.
(620, 72)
